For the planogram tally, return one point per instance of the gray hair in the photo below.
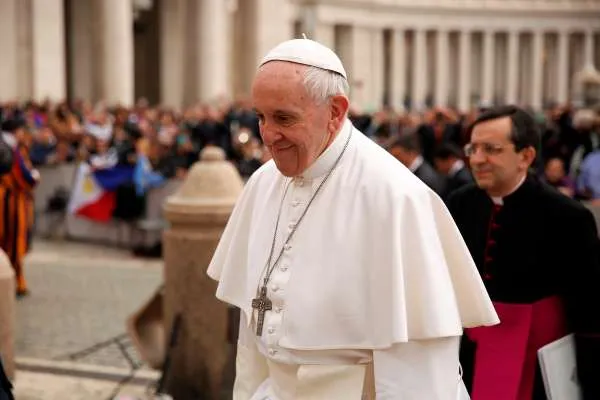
(322, 84)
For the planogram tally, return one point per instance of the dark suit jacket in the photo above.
(461, 178)
(431, 178)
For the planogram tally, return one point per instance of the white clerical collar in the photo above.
(499, 201)
(417, 162)
(457, 166)
(326, 160)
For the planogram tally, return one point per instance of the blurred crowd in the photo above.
(569, 158)
(431, 144)
(62, 133)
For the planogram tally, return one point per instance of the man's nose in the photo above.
(269, 134)
(477, 157)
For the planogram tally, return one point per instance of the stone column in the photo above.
(377, 69)
(537, 70)
(272, 25)
(464, 62)
(213, 52)
(512, 67)
(197, 214)
(354, 42)
(588, 49)
(82, 49)
(344, 49)
(562, 71)
(7, 315)
(442, 68)
(398, 69)
(172, 55)
(308, 20)
(419, 69)
(48, 48)
(488, 67)
(117, 54)
(325, 34)
(8, 44)
(24, 53)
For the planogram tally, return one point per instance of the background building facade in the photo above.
(403, 53)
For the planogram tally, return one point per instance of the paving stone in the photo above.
(81, 297)
(39, 386)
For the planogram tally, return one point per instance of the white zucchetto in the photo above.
(306, 52)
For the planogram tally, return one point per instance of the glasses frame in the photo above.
(489, 149)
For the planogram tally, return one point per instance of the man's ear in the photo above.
(338, 109)
(529, 154)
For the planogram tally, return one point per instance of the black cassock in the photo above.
(539, 249)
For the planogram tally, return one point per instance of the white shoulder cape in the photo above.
(379, 259)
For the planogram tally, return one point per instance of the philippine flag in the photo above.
(94, 195)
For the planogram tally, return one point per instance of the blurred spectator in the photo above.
(440, 126)
(406, 150)
(584, 139)
(588, 183)
(144, 178)
(449, 162)
(555, 176)
(43, 146)
(251, 159)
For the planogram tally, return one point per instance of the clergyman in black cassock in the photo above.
(538, 253)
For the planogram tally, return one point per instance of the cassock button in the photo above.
(287, 246)
(300, 182)
(277, 310)
(274, 288)
(487, 276)
(295, 203)
(271, 330)
(272, 352)
(283, 268)
(291, 225)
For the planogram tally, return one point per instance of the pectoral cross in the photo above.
(262, 304)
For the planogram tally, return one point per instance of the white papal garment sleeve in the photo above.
(418, 370)
(251, 365)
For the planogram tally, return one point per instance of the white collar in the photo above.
(417, 162)
(457, 166)
(499, 201)
(326, 160)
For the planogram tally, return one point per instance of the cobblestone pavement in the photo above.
(30, 385)
(80, 296)
(33, 386)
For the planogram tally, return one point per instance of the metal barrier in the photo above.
(146, 231)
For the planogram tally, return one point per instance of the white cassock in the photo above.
(376, 273)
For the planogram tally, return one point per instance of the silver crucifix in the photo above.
(263, 304)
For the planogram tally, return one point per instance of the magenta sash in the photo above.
(506, 354)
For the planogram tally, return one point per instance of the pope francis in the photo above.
(352, 278)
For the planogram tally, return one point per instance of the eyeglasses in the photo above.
(488, 149)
